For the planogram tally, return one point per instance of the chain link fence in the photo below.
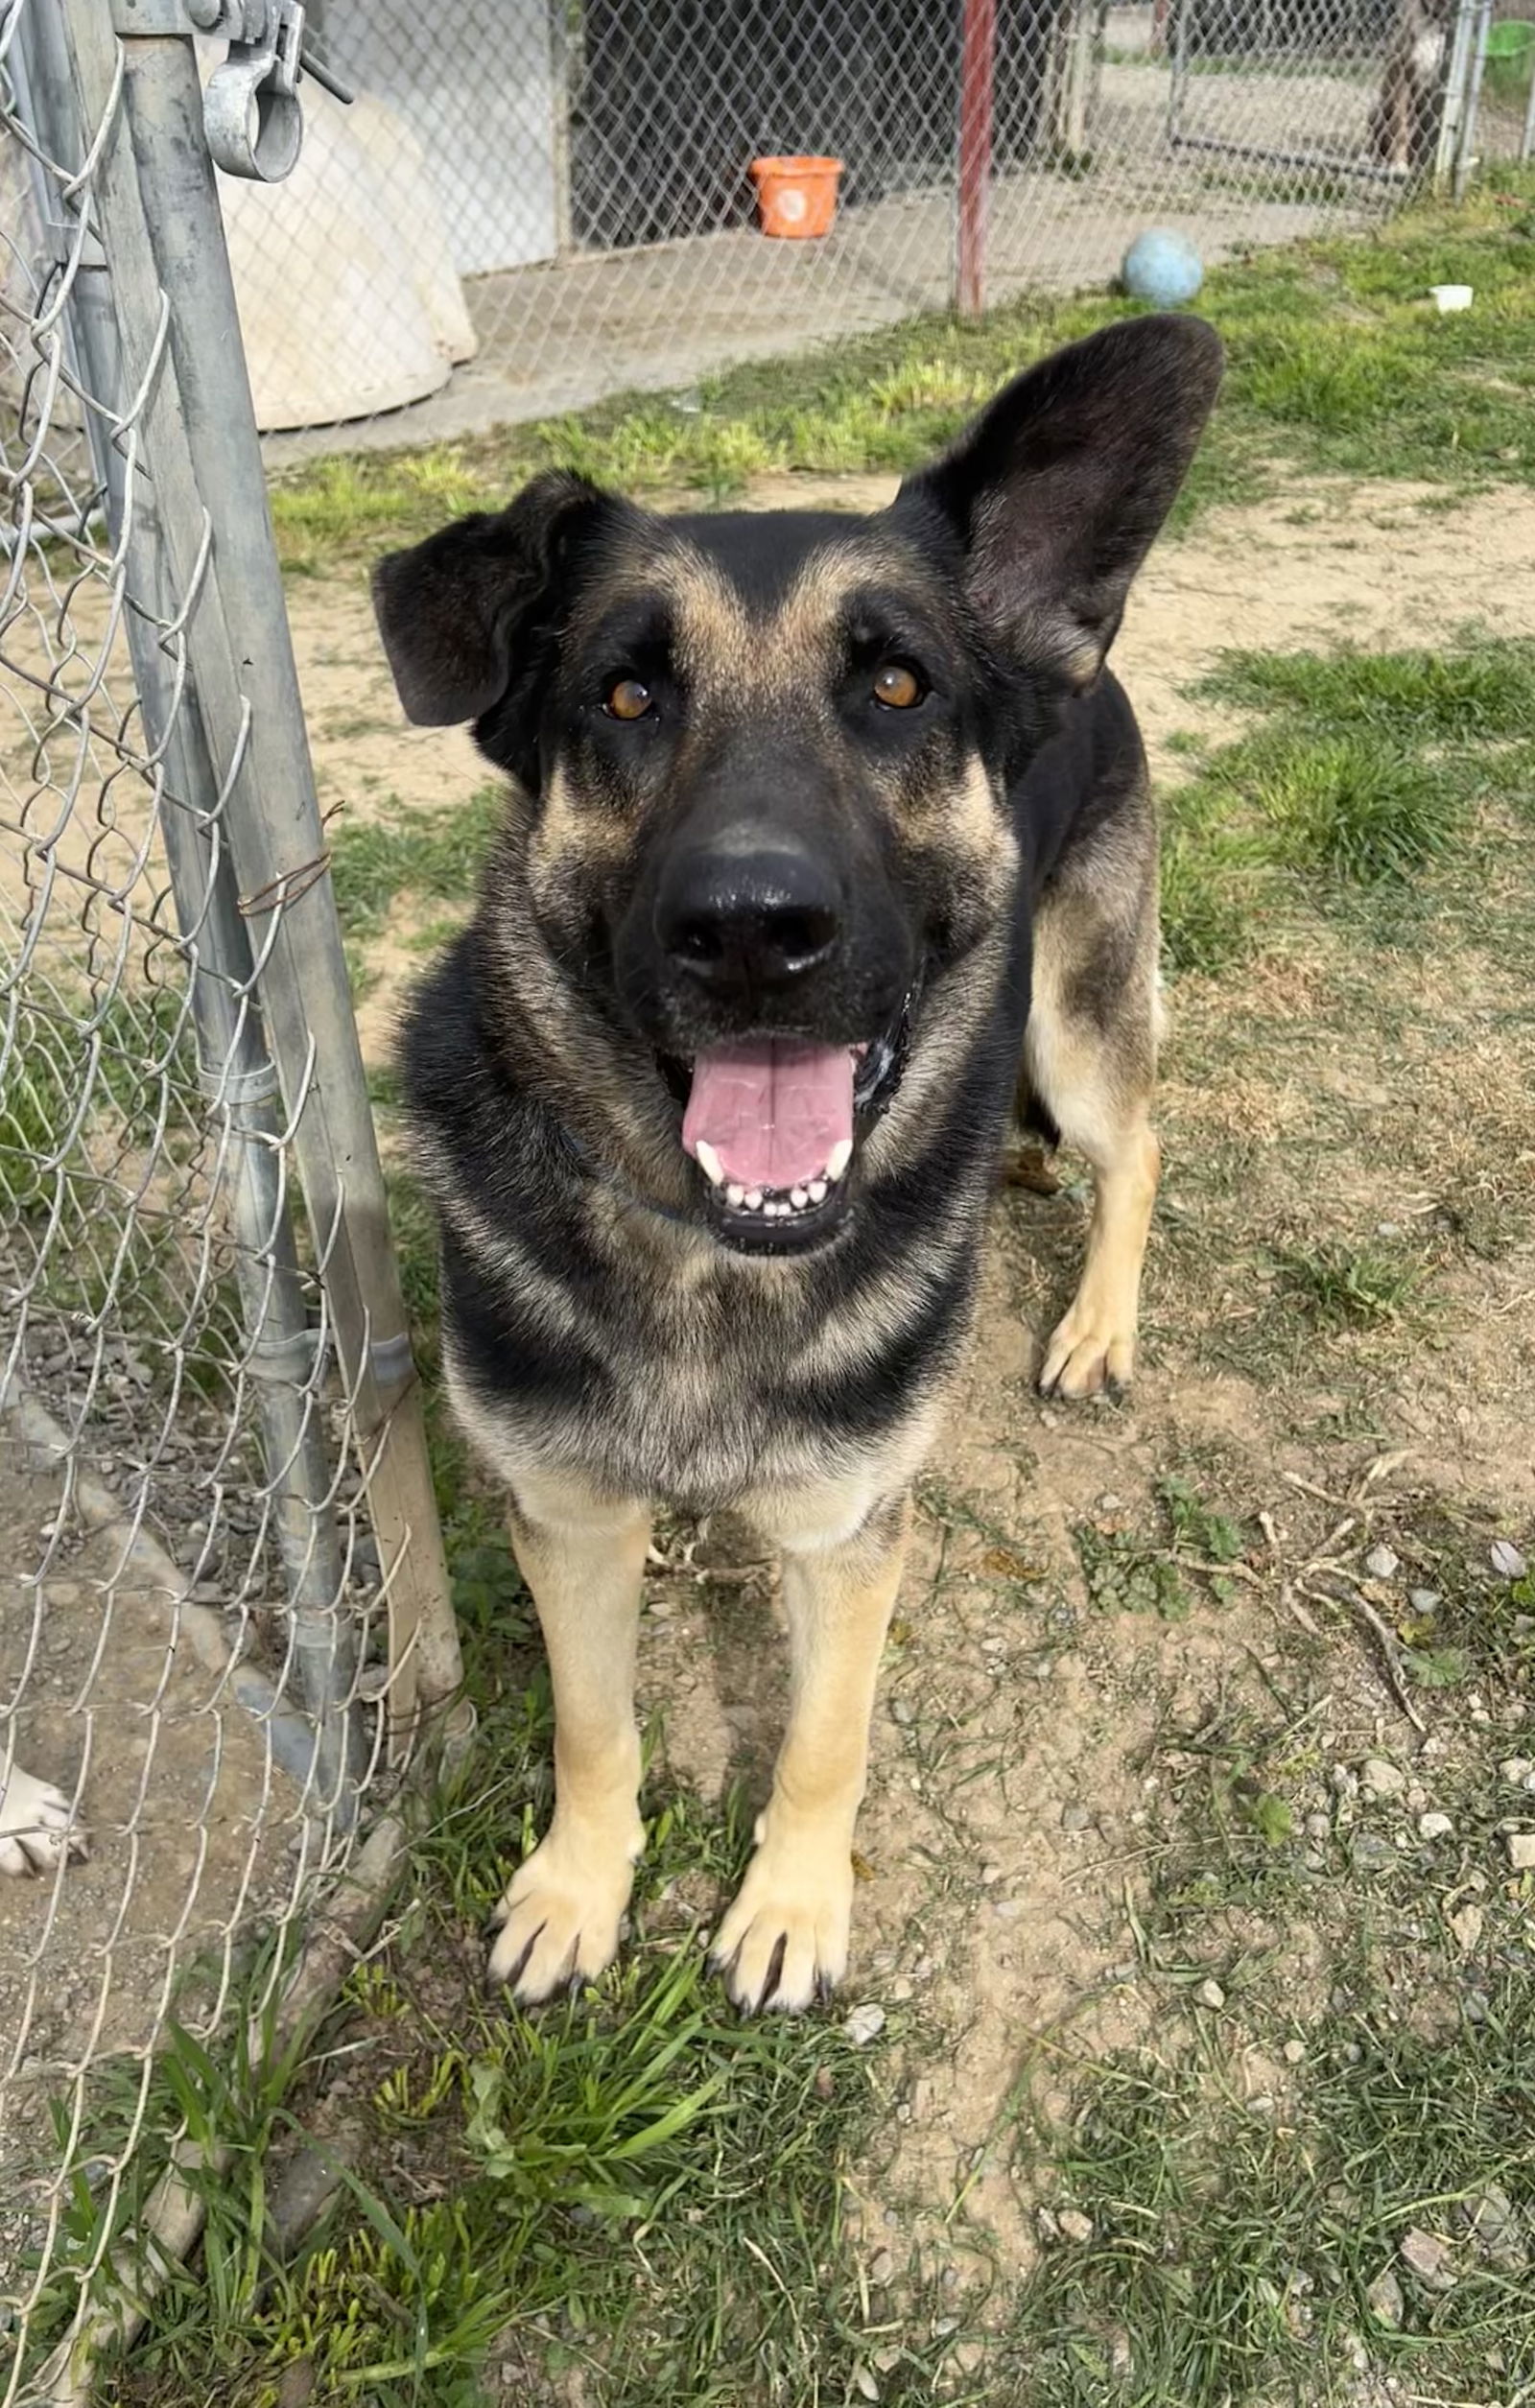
(224, 1611)
(529, 206)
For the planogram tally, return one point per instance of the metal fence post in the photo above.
(1477, 68)
(977, 69)
(237, 1074)
(178, 327)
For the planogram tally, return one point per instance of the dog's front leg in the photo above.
(783, 1941)
(583, 1560)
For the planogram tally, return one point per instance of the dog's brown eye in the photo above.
(629, 699)
(896, 686)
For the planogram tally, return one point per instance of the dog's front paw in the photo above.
(561, 1917)
(37, 1828)
(1087, 1354)
(783, 1941)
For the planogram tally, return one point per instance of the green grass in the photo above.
(1233, 2253)
(1363, 775)
(1336, 363)
(416, 856)
(1341, 1286)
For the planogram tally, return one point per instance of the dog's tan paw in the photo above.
(784, 1942)
(561, 1918)
(38, 1828)
(1086, 1356)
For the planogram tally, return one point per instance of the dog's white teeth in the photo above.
(710, 1164)
(799, 1198)
(753, 1199)
(837, 1159)
(735, 1195)
(816, 1190)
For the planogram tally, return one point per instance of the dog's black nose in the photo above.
(745, 916)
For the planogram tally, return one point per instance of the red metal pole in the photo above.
(978, 61)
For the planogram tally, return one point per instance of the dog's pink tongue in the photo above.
(772, 1109)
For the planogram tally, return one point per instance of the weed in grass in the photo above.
(1127, 1571)
(1341, 1287)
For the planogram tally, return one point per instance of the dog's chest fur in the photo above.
(584, 1328)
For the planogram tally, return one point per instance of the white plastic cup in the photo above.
(1449, 297)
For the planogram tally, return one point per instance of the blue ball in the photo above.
(1162, 268)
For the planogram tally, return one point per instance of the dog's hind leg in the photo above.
(1090, 1058)
(783, 1941)
(584, 1561)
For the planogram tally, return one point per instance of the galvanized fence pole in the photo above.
(178, 327)
(1477, 68)
(236, 1071)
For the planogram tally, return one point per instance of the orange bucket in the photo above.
(797, 197)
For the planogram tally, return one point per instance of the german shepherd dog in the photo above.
(828, 843)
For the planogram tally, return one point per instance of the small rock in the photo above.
(1381, 1778)
(882, 2267)
(1108, 1502)
(1383, 2300)
(1008, 1909)
(1493, 2222)
(919, 2098)
(1416, 1798)
(1211, 1995)
(1427, 2256)
(902, 1713)
(1424, 1600)
(864, 2024)
(901, 1989)
(1368, 1849)
(990, 1874)
(1074, 2226)
(1345, 1780)
(1318, 1827)
(1507, 1560)
(1465, 1927)
(1295, 2052)
(1381, 1565)
(1048, 2229)
(886, 2361)
(1075, 1818)
(944, 2326)
(1515, 1769)
(1434, 1826)
(1521, 1846)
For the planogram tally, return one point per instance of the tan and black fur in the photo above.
(1404, 120)
(960, 891)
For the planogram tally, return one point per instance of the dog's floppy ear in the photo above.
(455, 611)
(1059, 488)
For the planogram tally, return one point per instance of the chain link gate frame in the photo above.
(224, 1642)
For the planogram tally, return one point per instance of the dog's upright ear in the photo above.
(462, 614)
(1059, 488)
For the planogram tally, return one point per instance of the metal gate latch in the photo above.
(254, 123)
